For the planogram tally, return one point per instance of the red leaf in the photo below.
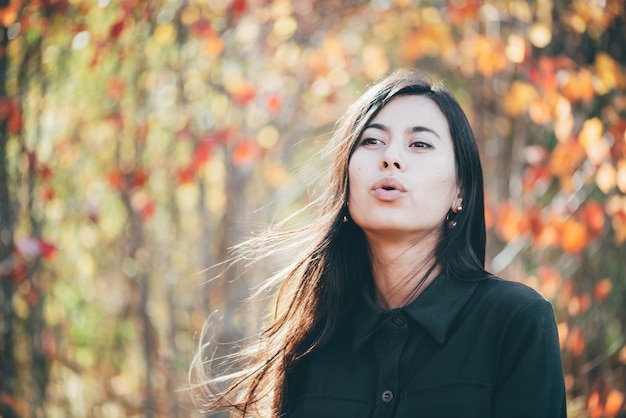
(238, 7)
(47, 193)
(147, 211)
(32, 297)
(48, 250)
(139, 178)
(5, 108)
(592, 214)
(202, 152)
(44, 171)
(186, 174)
(14, 125)
(53, 7)
(459, 12)
(544, 75)
(201, 28)
(117, 29)
(18, 272)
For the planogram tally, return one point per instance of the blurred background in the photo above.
(139, 140)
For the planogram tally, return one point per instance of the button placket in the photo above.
(390, 345)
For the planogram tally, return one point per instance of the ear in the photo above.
(458, 200)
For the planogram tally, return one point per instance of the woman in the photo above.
(388, 311)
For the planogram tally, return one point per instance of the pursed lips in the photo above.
(388, 189)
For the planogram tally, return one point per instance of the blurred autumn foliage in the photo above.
(141, 139)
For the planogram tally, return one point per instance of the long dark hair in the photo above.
(317, 292)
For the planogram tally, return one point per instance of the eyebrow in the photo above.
(411, 130)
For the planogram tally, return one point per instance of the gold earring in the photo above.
(451, 222)
(455, 210)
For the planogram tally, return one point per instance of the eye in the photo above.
(420, 144)
(371, 141)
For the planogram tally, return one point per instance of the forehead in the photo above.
(413, 110)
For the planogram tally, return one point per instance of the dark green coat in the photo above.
(467, 350)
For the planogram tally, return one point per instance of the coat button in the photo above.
(399, 320)
(387, 396)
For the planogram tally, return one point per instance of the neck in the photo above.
(402, 269)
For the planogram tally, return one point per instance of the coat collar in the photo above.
(434, 310)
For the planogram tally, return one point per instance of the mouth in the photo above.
(388, 189)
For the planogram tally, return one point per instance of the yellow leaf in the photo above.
(606, 177)
(591, 138)
(609, 73)
(519, 97)
(375, 62)
(540, 35)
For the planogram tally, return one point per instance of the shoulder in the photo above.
(507, 298)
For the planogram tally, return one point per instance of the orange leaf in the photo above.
(619, 226)
(594, 406)
(578, 304)
(579, 86)
(8, 14)
(116, 179)
(550, 280)
(614, 402)
(490, 55)
(274, 103)
(214, 46)
(563, 331)
(576, 342)
(245, 153)
(592, 215)
(243, 92)
(509, 221)
(621, 175)
(574, 236)
(566, 158)
(602, 289)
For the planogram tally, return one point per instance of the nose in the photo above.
(391, 159)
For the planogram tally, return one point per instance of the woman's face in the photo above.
(402, 174)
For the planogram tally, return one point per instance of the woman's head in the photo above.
(461, 249)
